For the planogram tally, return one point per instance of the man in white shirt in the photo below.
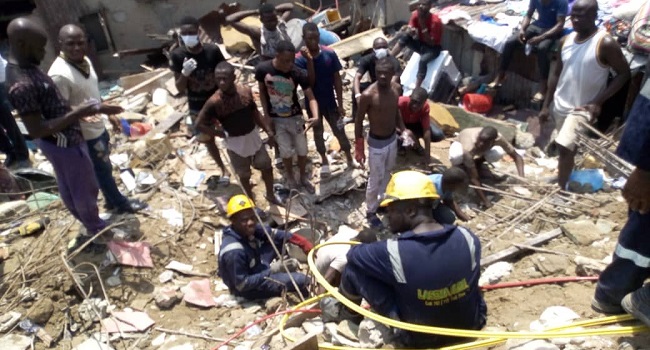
(12, 142)
(75, 77)
(331, 259)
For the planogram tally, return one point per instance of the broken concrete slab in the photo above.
(467, 119)
(92, 344)
(588, 267)
(605, 227)
(338, 184)
(9, 320)
(15, 342)
(581, 232)
(11, 209)
(550, 264)
(357, 43)
(166, 297)
(348, 330)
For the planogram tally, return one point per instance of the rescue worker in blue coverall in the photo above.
(620, 287)
(246, 256)
(428, 275)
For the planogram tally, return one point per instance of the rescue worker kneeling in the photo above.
(428, 275)
(246, 256)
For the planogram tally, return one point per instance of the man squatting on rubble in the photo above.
(54, 125)
(193, 64)
(367, 65)
(232, 113)
(380, 103)
(395, 276)
(246, 255)
(323, 71)
(416, 115)
(620, 287)
(331, 259)
(75, 77)
(278, 80)
(474, 147)
(578, 85)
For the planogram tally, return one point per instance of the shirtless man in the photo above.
(264, 38)
(379, 102)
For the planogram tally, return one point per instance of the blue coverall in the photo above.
(631, 264)
(244, 265)
(427, 278)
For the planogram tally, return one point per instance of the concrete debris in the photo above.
(41, 311)
(550, 264)
(518, 344)
(581, 232)
(605, 227)
(331, 330)
(495, 272)
(348, 330)
(554, 316)
(92, 344)
(166, 276)
(159, 340)
(15, 342)
(113, 281)
(524, 140)
(374, 334)
(13, 209)
(226, 300)
(9, 320)
(166, 297)
(273, 305)
(315, 325)
(589, 267)
(93, 309)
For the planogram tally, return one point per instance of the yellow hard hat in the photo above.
(238, 203)
(409, 184)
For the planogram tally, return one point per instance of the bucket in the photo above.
(477, 103)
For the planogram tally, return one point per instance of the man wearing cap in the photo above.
(246, 255)
(427, 275)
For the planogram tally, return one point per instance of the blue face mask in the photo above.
(190, 40)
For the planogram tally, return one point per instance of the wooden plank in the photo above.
(357, 43)
(308, 342)
(145, 85)
(512, 251)
(166, 124)
(278, 213)
(129, 81)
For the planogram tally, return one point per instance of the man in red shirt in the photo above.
(423, 36)
(416, 115)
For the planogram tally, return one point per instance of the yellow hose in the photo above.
(458, 332)
(465, 346)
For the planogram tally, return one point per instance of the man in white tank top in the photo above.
(578, 85)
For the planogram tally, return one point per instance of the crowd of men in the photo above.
(62, 111)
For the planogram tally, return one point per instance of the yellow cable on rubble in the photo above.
(554, 333)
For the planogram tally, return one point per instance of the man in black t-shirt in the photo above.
(367, 65)
(278, 80)
(193, 65)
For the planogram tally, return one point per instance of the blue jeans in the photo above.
(100, 150)
(631, 264)
(276, 284)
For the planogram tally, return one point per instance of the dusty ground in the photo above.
(36, 262)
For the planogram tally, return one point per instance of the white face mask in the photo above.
(380, 53)
(190, 40)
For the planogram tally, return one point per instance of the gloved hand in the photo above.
(189, 65)
(292, 266)
(301, 242)
(359, 152)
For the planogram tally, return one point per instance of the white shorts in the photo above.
(456, 154)
(568, 133)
